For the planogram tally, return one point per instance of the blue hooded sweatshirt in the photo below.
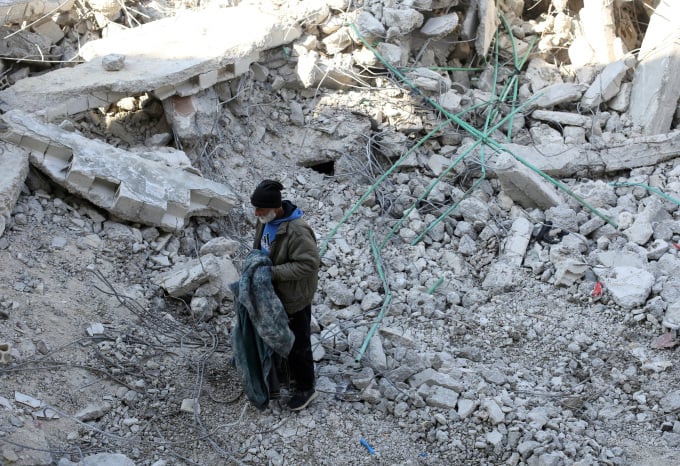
(290, 212)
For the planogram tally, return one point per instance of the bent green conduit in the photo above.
(386, 302)
(481, 137)
(648, 188)
(484, 137)
(451, 166)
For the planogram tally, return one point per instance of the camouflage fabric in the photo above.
(261, 326)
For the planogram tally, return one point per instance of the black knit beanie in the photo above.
(267, 194)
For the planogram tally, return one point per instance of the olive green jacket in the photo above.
(295, 258)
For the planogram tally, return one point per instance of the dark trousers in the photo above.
(300, 360)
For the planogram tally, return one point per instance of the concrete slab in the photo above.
(18, 12)
(656, 87)
(128, 185)
(13, 171)
(174, 56)
(561, 160)
(524, 186)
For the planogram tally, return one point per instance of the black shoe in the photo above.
(274, 395)
(301, 399)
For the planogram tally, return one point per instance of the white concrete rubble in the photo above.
(158, 59)
(608, 83)
(566, 160)
(18, 12)
(597, 34)
(13, 171)
(523, 185)
(126, 184)
(656, 87)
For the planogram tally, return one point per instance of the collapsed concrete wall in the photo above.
(128, 185)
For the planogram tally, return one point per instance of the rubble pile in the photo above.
(495, 191)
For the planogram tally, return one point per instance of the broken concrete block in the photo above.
(517, 241)
(607, 84)
(113, 62)
(13, 172)
(504, 273)
(402, 20)
(656, 87)
(158, 59)
(429, 80)
(599, 30)
(50, 30)
(562, 118)
(523, 185)
(369, 27)
(560, 93)
(487, 14)
(337, 41)
(621, 101)
(643, 227)
(187, 277)
(568, 267)
(541, 74)
(129, 186)
(628, 286)
(18, 12)
(438, 26)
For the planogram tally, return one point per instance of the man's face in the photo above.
(265, 215)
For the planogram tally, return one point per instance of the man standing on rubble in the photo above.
(291, 244)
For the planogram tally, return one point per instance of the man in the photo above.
(291, 244)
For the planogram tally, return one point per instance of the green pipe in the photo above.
(447, 170)
(648, 188)
(386, 303)
(427, 192)
(480, 135)
(324, 245)
(435, 285)
(443, 68)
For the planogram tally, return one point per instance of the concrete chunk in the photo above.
(157, 57)
(13, 172)
(562, 118)
(656, 87)
(17, 12)
(559, 93)
(523, 185)
(607, 83)
(129, 186)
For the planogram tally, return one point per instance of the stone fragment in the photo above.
(441, 397)
(132, 187)
(562, 118)
(401, 21)
(671, 318)
(113, 62)
(92, 412)
(369, 27)
(607, 84)
(429, 80)
(13, 171)
(557, 94)
(495, 413)
(629, 286)
(49, 29)
(523, 185)
(440, 25)
(656, 87)
(466, 407)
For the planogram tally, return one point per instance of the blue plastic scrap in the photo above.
(368, 447)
